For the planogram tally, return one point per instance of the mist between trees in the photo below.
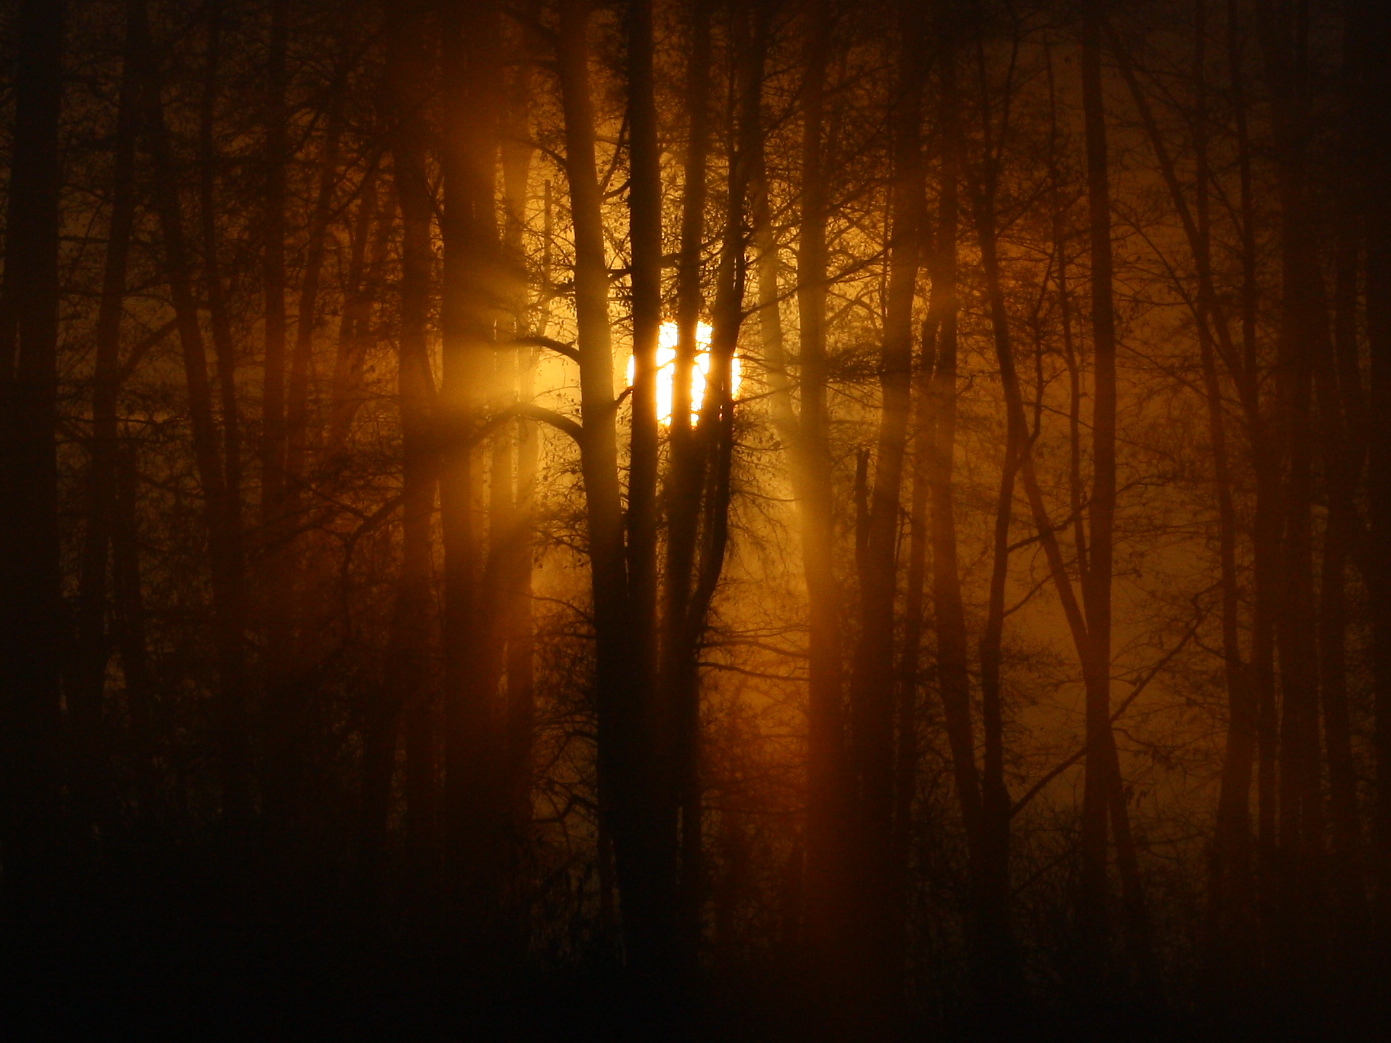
(776, 519)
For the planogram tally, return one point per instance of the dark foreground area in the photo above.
(196, 964)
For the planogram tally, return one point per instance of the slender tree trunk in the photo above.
(984, 796)
(128, 629)
(289, 722)
(86, 694)
(273, 280)
(371, 224)
(1096, 581)
(214, 287)
(275, 567)
(997, 970)
(221, 515)
(525, 445)
(297, 433)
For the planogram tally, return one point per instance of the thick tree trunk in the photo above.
(1342, 433)
(470, 305)
(620, 693)
(1230, 882)
(1265, 463)
(31, 622)
(827, 797)
(1374, 24)
(682, 495)
(406, 692)
(1303, 337)
(657, 755)
(645, 231)
(872, 683)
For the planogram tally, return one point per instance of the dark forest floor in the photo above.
(209, 989)
(184, 964)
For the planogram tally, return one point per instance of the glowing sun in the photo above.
(700, 372)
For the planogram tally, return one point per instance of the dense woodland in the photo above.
(769, 519)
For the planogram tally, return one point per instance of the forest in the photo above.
(695, 519)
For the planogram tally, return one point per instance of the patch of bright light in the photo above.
(700, 372)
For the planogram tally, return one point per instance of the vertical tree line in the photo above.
(884, 504)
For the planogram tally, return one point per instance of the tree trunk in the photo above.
(657, 754)
(405, 679)
(620, 694)
(221, 515)
(826, 880)
(273, 282)
(30, 579)
(1374, 23)
(371, 224)
(524, 444)
(1096, 581)
(1303, 336)
(470, 304)
(872, 683)
(219, 316)
(678, 685)
(984, 797)
(86, 692)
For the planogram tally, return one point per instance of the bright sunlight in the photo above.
(666, 368)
